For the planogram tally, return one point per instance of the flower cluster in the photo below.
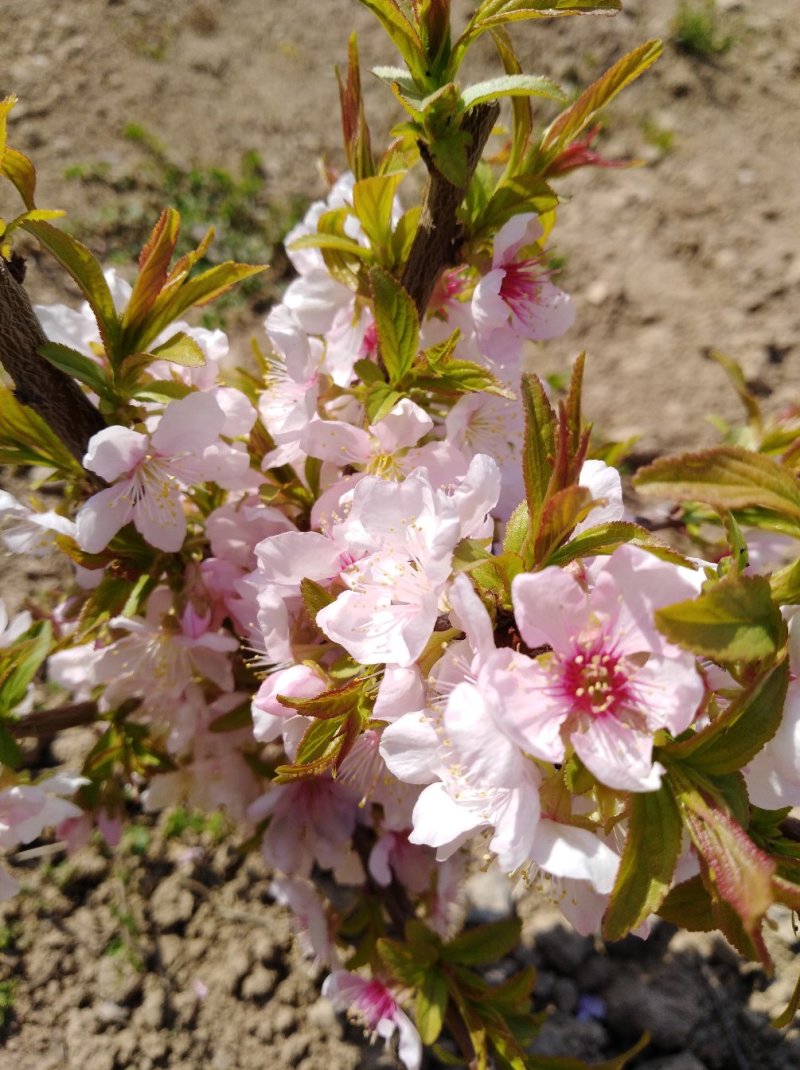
(375, 597)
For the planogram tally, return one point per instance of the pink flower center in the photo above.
(375, 1003)
(520, 287)
(595, 682)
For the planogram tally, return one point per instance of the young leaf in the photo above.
(403, 34)
(397, 323)
(431, 1006)
(734, 738)
(511, 85)
(494, 13)
(86, 272)
(605, 538)
(26, 439)
(648, 861)
(561, 512)
(484, 943)
(584, 111)
(726, 477)
(733, 619)
(539, 445)
(77, 365)
(373, 199)
(315, 597)
(10, 750)
(154, 262)
(181, 349)
(523, 113)
(357, 142)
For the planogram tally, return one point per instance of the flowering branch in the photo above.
(48, 391)
(436, 240)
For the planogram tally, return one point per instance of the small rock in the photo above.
(564, 950)
(565, 994)
(259, 984)
(118, 980)
(669, 1009)
(153, 1010)
(108, 1012)
(172, 904)
(597, 292)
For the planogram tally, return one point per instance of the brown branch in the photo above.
(436, 242)
(48, 722)
(48, 391)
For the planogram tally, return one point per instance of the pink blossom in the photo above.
(516, 299)
(149, 470)
(372, 1002)
(30, 532)
(611, 681)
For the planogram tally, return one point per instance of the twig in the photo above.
(48, 722)
(46, 389)
(435, 245)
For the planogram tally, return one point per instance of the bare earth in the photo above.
(178, 958)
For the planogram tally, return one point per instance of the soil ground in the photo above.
(173, 954)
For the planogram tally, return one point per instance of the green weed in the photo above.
(697, 31)
(180, 821)
(248, 225)
(6, 1002)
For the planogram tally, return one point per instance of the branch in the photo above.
(48, 722)
(435, 245)
(48, 391)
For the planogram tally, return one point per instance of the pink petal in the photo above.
(188, 425)
(115, 451)
(99, 520)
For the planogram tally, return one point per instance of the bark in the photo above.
(438, 237)
(48, 391)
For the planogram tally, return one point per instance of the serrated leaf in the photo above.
(511, 85)
(77, 365)
(337, 242)
(605, 538)
(484, 943)
(561, 512)
(373, 200)
(337, 702)
(539, 445)
(161, 390)
(381, 399)
(584, 111)
(648, 862)
(517, 529)
(402, 32)
(407, 964)
(522, 193)
(315, 597)
(180, 349)
(448, 150)
(154, 262)
(741, 730)
(733, 619)
(368, 372)
(523, 113)
(494, 13)
(463, 377)
(397, 323)
(726, 477)
(431, 1006)
(688, 906)
(785, 584)
(86, 272)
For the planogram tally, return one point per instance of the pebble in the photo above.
(564, 950)
(172, 904)
(259, 984)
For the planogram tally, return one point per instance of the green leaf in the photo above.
(605, 538)
(431, 1006)
(741, 730)
(494, 13)
(463, 377)
(397, 324)
(484, 943)
(408, 964)
(373, 199)
(234, 720)
(732, 619)
(27, 657)
(448, 149)
(584, 111)
(648, 861)
(88, 275)
(785, 584)
(517, 529)
(539, 445)
(726, 477)
(523, 113)
(315, 597)
(381, 399)
(511, 85)
(10, 751)
(77, 366)
(403, 34)
(522, 193)
(337, 702)
(19, 170)
(368, 372)
(180, 349)
(26, 439)
(688, 906)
